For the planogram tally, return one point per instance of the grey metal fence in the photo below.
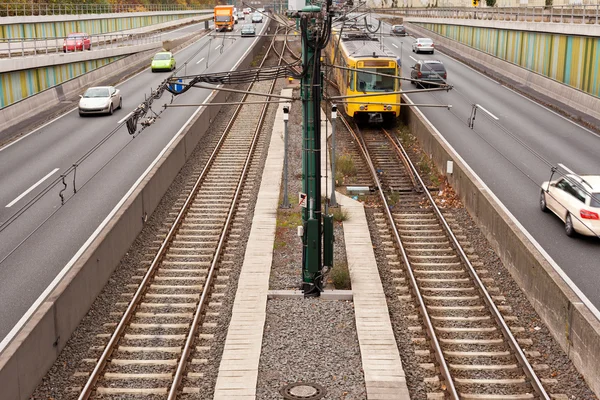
(31, 8)
(570, 14)
(19, 47)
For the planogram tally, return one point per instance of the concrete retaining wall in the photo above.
(568, 95)
(571, 323)
(28, 357)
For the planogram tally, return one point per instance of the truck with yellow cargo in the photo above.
(224, 18)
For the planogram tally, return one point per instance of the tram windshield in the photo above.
(368, 82)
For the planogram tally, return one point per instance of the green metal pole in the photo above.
(311, 155)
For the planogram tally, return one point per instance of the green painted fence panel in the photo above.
(572, 60)
(91, 26)
(17, 85)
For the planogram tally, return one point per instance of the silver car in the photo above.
(100, 100)
(422, 45)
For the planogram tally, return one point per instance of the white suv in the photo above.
(576, 200)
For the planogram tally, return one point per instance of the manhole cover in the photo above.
(302, 391)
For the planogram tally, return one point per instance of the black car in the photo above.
(399, 30)
(428, 71)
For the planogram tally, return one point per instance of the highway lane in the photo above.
(109, 173)
(511, 155)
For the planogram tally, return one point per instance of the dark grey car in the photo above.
(399, 30)
(428, 71)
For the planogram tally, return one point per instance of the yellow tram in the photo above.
(359, 55)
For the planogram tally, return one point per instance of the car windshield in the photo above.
(96, 92)
(223, 18)
(425, 41)
(75, 37)
(248, 29)
(162, 56)
(595, 200)
(376, 83)
(398, 27)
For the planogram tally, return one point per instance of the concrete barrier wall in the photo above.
(563, 93)
(571, 323)
(27, 358)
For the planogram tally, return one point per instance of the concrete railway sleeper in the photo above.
(156, 348)
(470, 347)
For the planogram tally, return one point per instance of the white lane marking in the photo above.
(202, 59)
(42, 297)
(414, 59)
(25, 193)
(124, 118)
(394, 44)
(75, 108)
(217, 48)
(522, 95)
(489, 113)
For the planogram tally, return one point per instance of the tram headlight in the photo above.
(361, 108)
(388, 108)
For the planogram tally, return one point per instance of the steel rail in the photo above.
(445, 371)
(512, 342)
(131, 308)
(213, 267)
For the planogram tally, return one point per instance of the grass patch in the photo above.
(407, 139)
(427, 168)
(393, 198)
(424, 165)
(288, 219)
(344, 165)
(339, 214)
(340, 276)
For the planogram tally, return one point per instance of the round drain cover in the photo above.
(302, 391)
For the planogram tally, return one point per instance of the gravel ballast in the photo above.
(313, 341)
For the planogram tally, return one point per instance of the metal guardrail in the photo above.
(571, 14)
(20, 47)
(25, 9)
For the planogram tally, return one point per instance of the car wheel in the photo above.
(569, 229)
(121, 103)
(543, 205)
(110, 110)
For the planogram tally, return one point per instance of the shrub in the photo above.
(340, 276)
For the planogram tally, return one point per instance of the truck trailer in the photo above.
(224, 18)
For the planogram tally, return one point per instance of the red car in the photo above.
(77, 42)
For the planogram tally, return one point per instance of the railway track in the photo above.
(468, 347)
(160, 345)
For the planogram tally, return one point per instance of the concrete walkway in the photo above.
(238, 372)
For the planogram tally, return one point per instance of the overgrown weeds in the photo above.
(340, 276)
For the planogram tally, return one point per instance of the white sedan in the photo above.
(422, 45)
(576, 200)
(100, 100)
